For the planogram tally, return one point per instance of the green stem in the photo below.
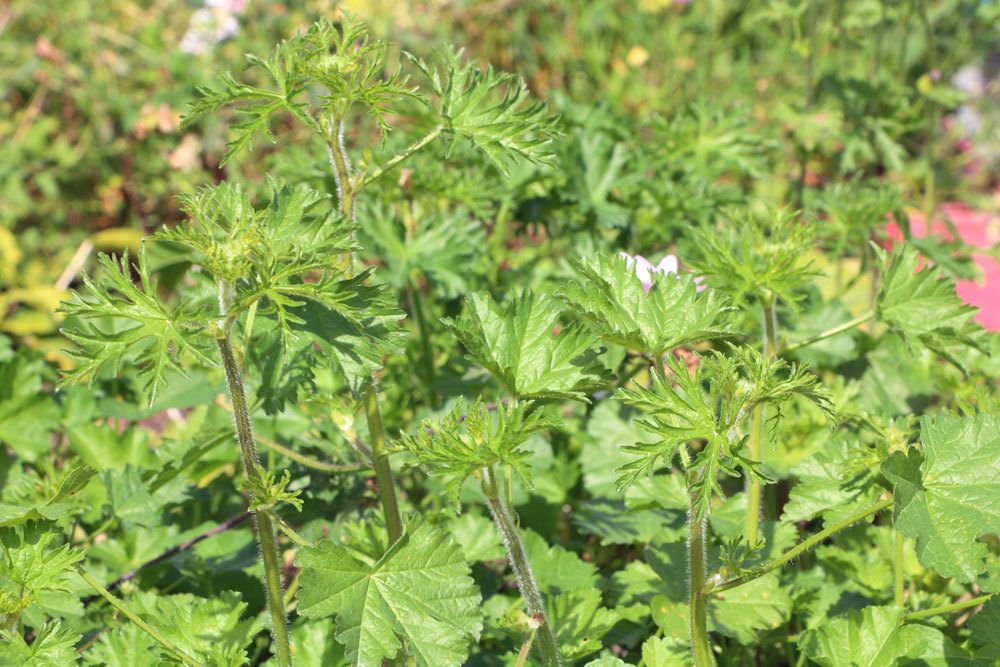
(407, 152)
(534, 604)
(383, 471)
(800, 548)
(380, 459)
(897, 565)
(426, 351)
(309, 461)
(701, 648)
(829, 333)
(946, 609)
(135, 618)
(754, 448)
(265, 530)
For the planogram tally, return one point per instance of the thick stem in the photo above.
(265, 529)
(534, 604)
(897, 564)
(829, 333)
(947, 609)
(701, 648)
(135, 618)
(801, 547)
(383, 471)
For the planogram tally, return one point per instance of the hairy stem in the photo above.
(310, 462)
(947, 609)
(380, 459)
(754, 448)
(265, 529)
(534, 604)
(833, 331)
(396, 160)
(135, 618)
(383, 471)
(801, 547)
(701, 648)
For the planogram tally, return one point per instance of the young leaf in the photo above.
(54, 644)
(612, 300)
(155, 336)
(947, 494)
(419, 592)
(681, 414)
(580, 622)
(522, 345)
(490, 109)
(342, 60)
(464, 442)
(30, 565)
(212, 630)
(757, 259)
(923, 307)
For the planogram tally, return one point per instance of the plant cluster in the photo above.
(403, 401)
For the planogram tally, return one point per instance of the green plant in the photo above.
(775, 445)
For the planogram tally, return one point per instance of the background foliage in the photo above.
(766, 143)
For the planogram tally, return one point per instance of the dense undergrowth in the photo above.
(348, 351)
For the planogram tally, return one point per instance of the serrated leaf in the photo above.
(491, 109)
(947, 494)
(611, 298)
(126, 646)
(31, 563)
(744, 611)
(211, 630)
(870, 637)
(923, 307)
(579, 622)
(556, 568)
(522, 345)
(666, 652)
(827, 487)
(420, 591)
(930, 647)
(985, 625)
(467, 440)
(52, 508)
(53, 646)
(154, 336)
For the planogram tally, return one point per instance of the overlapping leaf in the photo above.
(120, 320)
(610, 297)
(522, 345)
(467, 440)
(342, 59)
(680, 413)
(419, 592)
(31, 562)
(947, 494)
(490, 109)
(870, 637)
(923, 307)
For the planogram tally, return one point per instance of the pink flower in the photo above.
(645, 269)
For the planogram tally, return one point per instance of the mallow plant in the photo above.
(705, 355)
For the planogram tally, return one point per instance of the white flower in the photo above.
(645, 269)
